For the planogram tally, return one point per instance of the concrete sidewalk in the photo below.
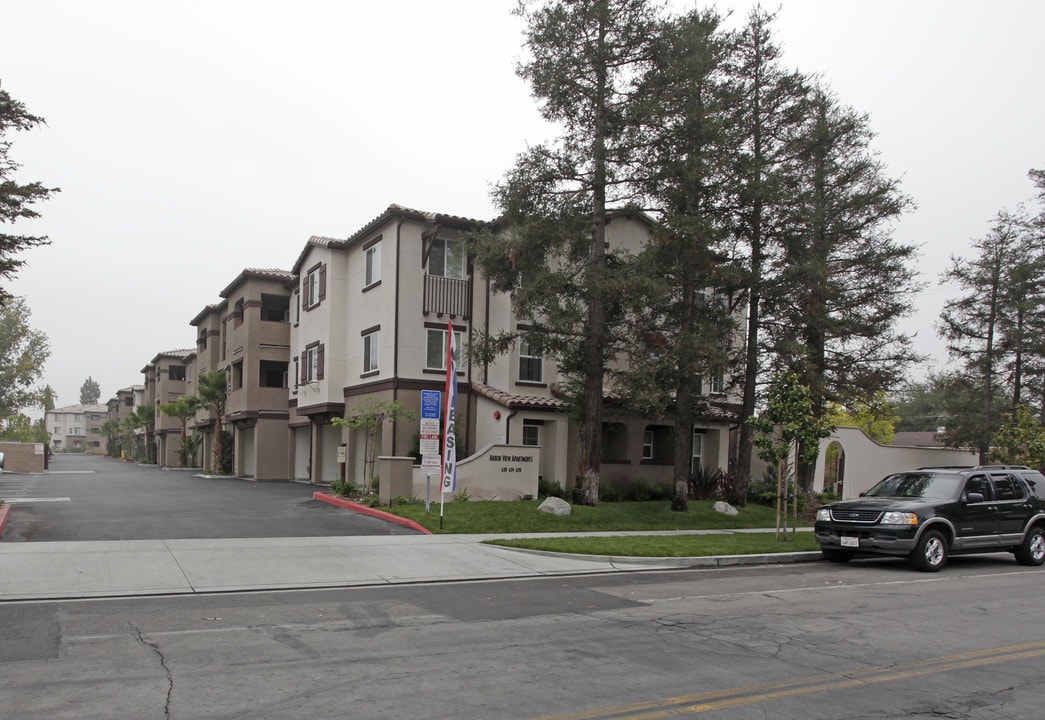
(60, 570)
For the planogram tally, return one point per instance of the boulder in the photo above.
(555, 506)
(725, 508)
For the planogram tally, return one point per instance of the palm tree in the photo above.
(183, 408)
(145, 418)
(212, 389)
(111, 430)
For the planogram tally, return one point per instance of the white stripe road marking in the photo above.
(13, 501)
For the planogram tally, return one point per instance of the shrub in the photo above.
(705, 484)
(344, 488)
(550, 488)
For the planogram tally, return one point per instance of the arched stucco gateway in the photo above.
(867, 461)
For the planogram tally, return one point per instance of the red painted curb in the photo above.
(372, 512)
(5, 512)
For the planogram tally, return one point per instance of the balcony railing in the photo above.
(447, 296)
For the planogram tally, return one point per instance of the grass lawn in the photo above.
(669, 545)
(522, 516)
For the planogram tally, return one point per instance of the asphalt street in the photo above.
(94, 498)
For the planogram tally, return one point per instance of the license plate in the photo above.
(850, 541)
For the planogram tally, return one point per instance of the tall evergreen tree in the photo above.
(16, 198)
(767, 112)
(843, 281)
(584, 56)
(90, 392)
(681, 332)
(972, 324)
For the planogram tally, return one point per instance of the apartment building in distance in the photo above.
(77, 428)
(164, 383)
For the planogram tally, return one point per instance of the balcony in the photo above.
(447, 296)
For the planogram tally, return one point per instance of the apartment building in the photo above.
(164, 383)
(77, 428)
(365, 319)
(371, 314)
(255, 352)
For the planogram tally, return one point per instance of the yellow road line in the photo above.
(732, 697)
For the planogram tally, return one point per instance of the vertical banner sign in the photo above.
(449, 483)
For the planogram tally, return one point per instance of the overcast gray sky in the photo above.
(194, 139)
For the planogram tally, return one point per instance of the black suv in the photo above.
(928, 514)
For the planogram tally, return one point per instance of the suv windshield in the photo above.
(917, 485)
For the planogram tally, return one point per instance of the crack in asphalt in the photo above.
(163, 663)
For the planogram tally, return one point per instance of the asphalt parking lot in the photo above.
(96, 498)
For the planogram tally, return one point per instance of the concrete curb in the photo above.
(372, 512)
(5, 512)
(683, 563)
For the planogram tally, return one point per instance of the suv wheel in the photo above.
(837, 556)
(930, 554)
(1032, 551)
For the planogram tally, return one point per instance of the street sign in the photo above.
(430, 400)
(431, 462)
(430, 426)
(429, 445)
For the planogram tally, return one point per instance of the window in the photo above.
(718, 383)
(647, 444)
(531, 366)
(435, 352)
(373, 265)
(314, 287)
(312, 363)
(531, 434)
(370, 343)
(128, 401)
(237, 313)
(237, 375)
(273, 374)
(698, 451)
(176, 372)
(275, 308)
(95, 418)
(1006, 489)
(447, 258)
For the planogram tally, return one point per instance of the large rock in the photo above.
(725, 508)
(555, 506)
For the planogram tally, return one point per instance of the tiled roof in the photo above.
(510, 400)
(78, 409)
(314, 241)
(264, 273)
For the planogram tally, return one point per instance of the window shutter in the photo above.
(304, 291)
(304, 367)
(319, 353)
(322, 282)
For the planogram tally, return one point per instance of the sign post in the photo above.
(431, 401)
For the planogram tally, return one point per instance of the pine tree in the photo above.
(16, 199)
(843, 282)
(555, 202)
(90, 392)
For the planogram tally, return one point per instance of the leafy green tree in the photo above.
(48, 398)
(183, 408)
(21, 428)
(212, 390)
(90, 392)
(1020, 440)
(16, 199)
(369, 417)
(877, 417)
(583, 57)
(24, 352)
(788, 434)
(922, 404)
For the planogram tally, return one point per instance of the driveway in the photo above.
(95, 498)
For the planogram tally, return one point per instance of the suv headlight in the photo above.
(823, 514)
(899, 518)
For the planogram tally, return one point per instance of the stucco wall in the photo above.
(496, 472)
(867, 462)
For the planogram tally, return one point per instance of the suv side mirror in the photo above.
(974, 497)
